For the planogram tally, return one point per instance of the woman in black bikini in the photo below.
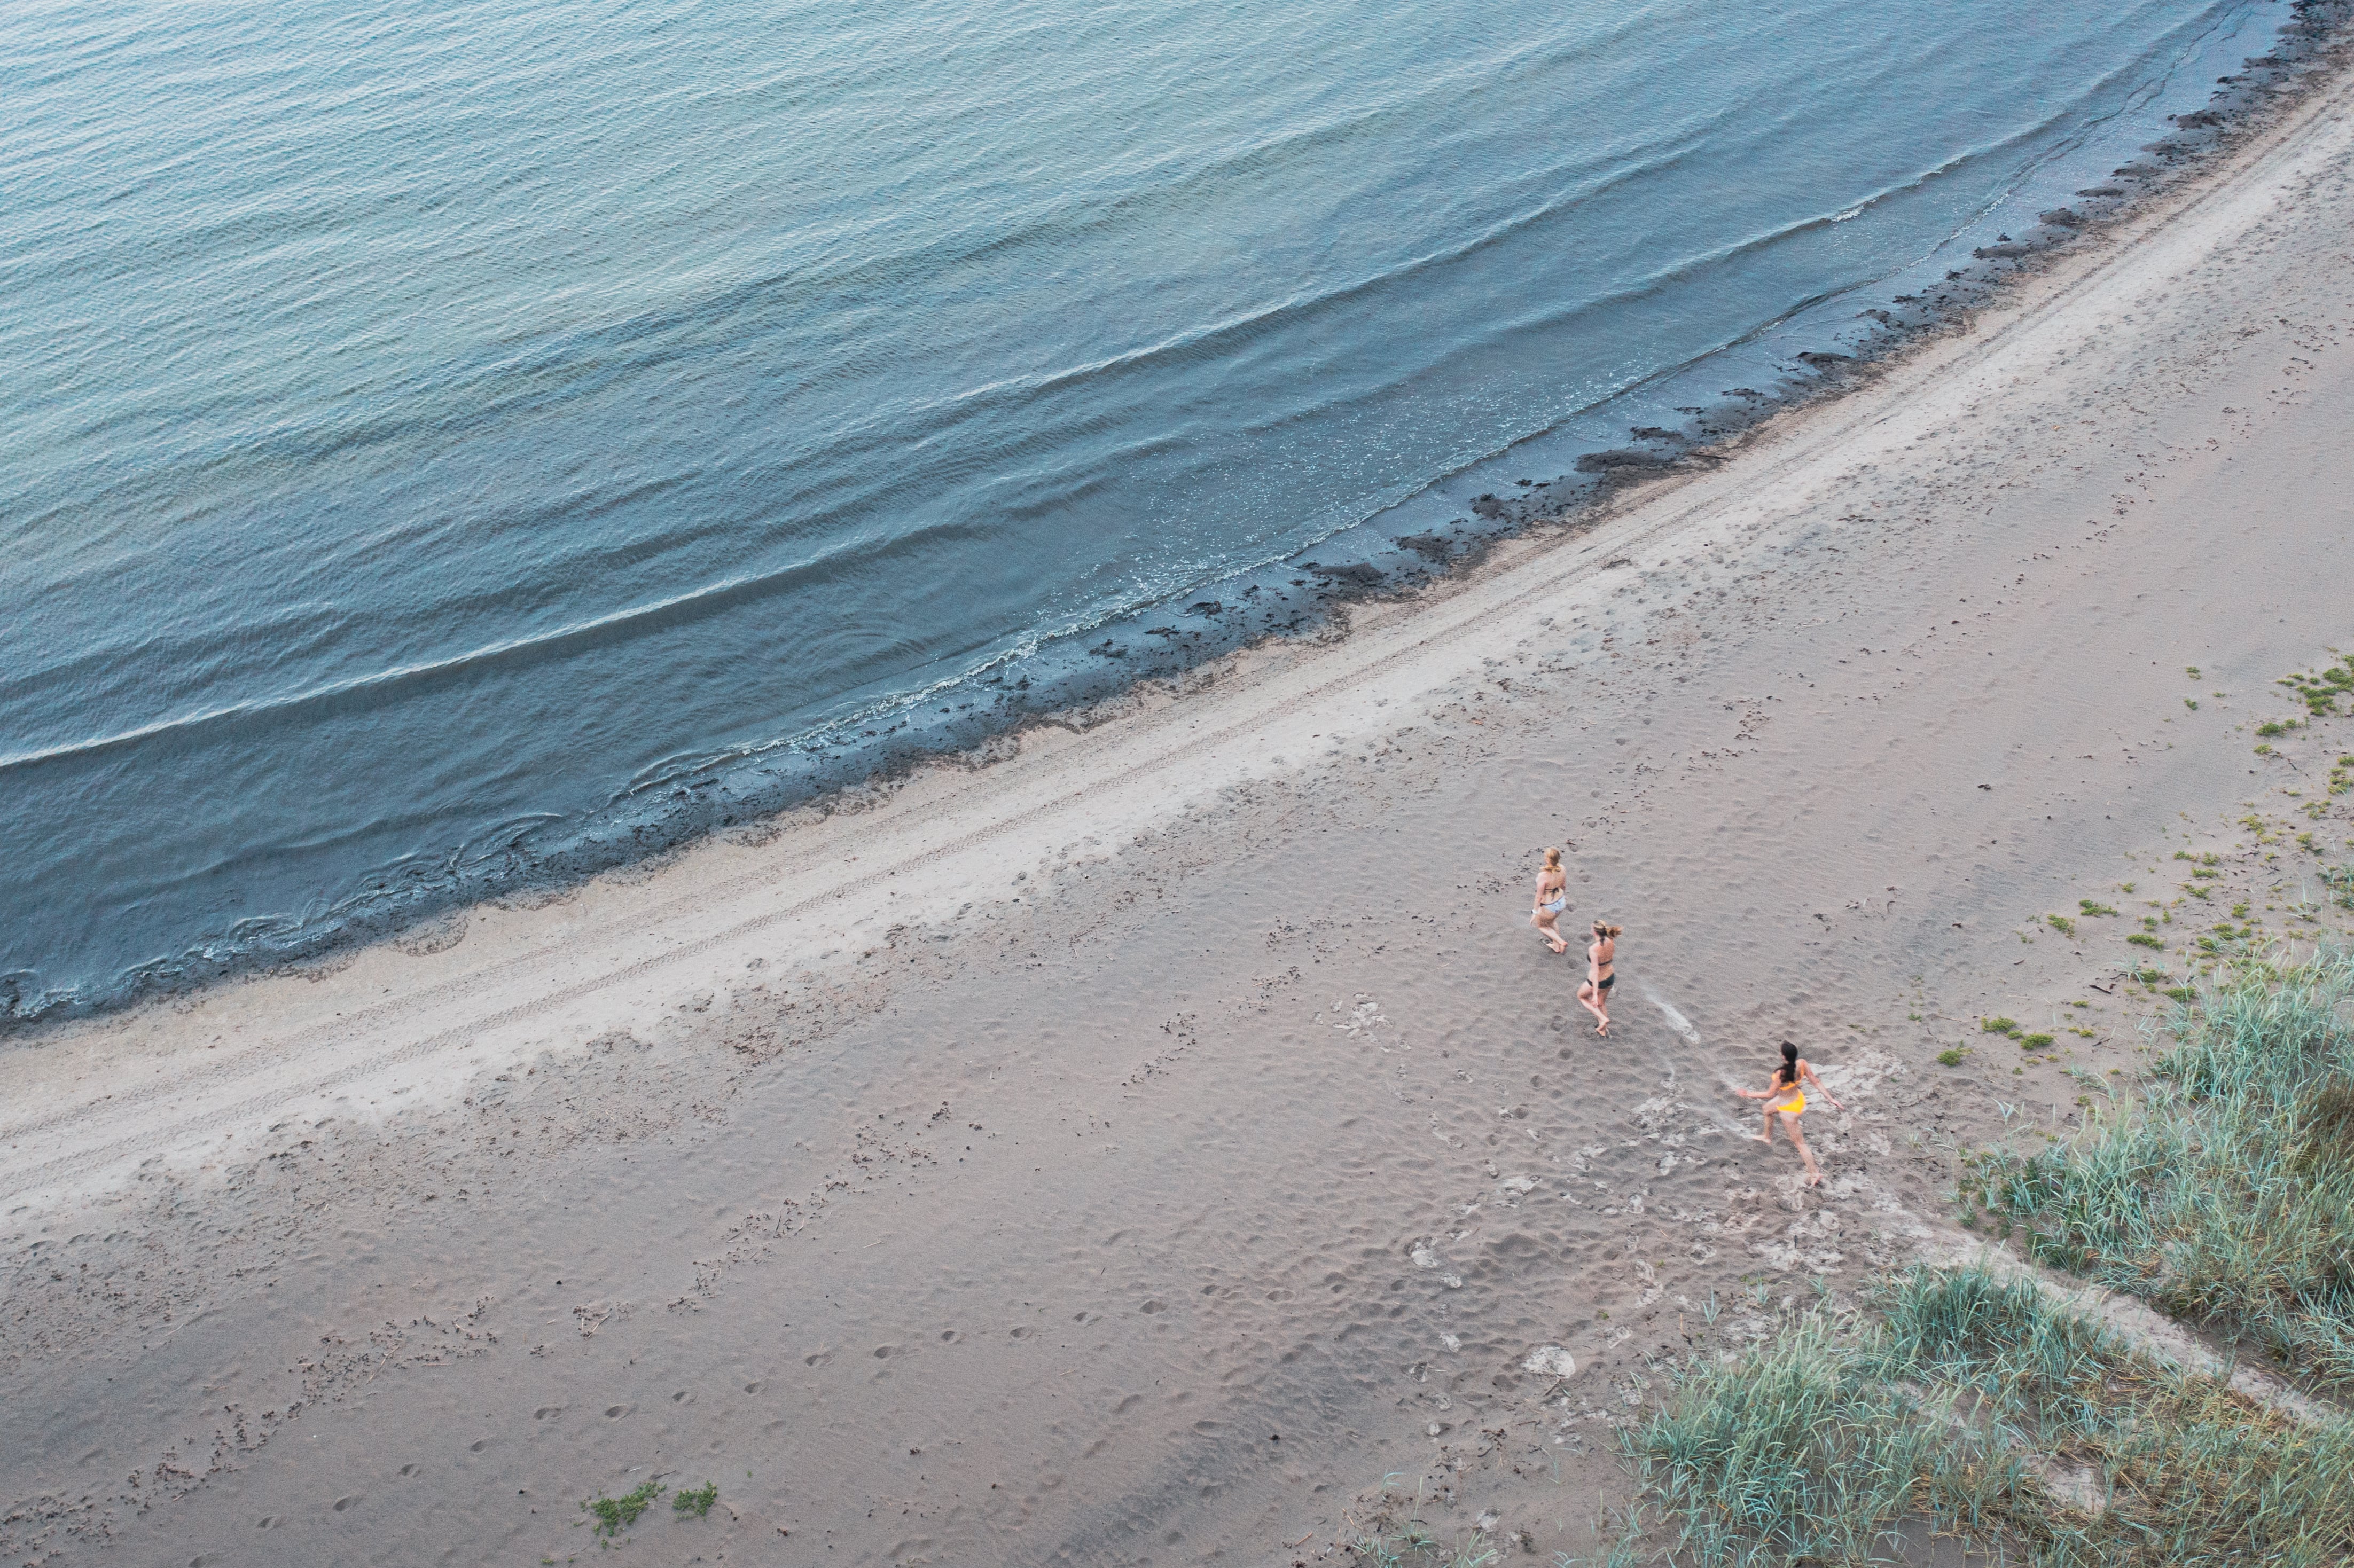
(1600, 960)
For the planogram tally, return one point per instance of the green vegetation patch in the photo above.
(696, 1501)
(2144, 939)
(1980, 1408)
(2218, 1199)
(2321, 691)
(2000, 1025)
(614, 1515)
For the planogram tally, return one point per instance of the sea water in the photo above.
(447, 444)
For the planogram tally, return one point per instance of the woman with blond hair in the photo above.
(1552, 898)
(1601, 959)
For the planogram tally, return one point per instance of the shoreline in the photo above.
(1042, 1161)
(1305, 594)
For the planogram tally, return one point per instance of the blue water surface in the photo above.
(428, 433)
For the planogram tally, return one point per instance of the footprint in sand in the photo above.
(343, 1503)
(615, 1412)
(1549, 1361)
(545, 1411)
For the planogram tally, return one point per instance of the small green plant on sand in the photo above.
(2320, 693)
(2000, 1025)
(2061, 923)
(695, 1501)
(2033, 1042)
(1951, 1056)
(615, 1515)
(1386, 1541)
(2144, 939)
(2087, 906)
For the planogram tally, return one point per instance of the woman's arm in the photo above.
(1809, 1069)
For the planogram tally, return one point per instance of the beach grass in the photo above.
(1978, 1406)
(2227, 1194)
(1388, 1542)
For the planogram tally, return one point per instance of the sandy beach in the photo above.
(1131, 1146)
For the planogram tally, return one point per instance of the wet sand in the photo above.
(1131, 1148)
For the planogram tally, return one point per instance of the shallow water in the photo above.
(444, 445)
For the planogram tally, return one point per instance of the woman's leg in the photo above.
(1602, 1010)
(1814, 1171)
(1767, 1137)
(1543, 921)
(1586, 995)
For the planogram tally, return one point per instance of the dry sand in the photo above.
(1132, 1150)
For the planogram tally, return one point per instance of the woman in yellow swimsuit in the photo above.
(1786, 1097)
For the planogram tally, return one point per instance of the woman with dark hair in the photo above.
(1601, 958)
(1786, 1097)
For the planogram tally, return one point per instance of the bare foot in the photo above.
(1761, 1137)
(1812, 1182)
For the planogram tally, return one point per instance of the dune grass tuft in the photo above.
(2228, 1196)
(1978, 1406)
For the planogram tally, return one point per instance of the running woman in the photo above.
(1552, 898)
(1601, 958)
(1786, 1097)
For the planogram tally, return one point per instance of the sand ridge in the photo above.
(1147, 1141)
